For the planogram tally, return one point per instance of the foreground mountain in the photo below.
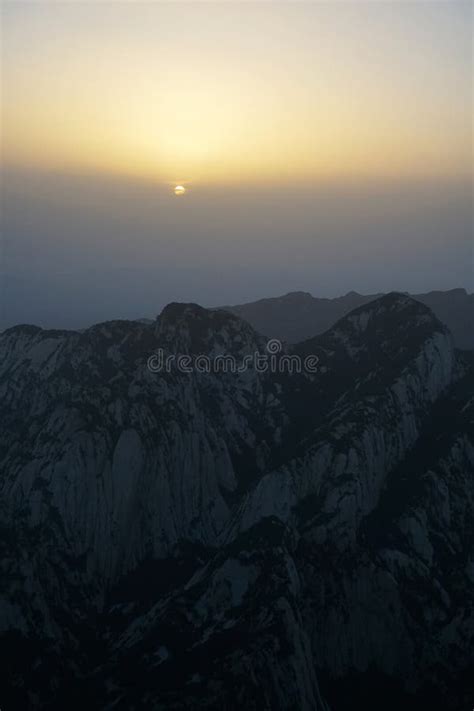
(224, 540)
(299, 315)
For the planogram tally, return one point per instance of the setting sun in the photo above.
(237, 436)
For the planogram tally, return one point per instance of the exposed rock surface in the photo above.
(237, 540)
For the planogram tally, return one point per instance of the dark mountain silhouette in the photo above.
(259, 540)
(299, 315)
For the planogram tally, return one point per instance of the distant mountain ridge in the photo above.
(298, 315)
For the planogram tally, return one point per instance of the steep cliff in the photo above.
(220, 539)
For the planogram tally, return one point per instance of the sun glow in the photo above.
(179, 190)
(227, 106)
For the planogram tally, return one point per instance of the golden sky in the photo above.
(239, 92)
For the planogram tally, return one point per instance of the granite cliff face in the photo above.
(237, 540)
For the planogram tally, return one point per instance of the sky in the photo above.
(324, 146)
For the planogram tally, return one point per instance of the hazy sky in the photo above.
(323, 145)
(234, 92)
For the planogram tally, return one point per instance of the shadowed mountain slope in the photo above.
(224, 540)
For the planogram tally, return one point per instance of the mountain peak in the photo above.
(192, 328)
(297, 296)
(391, 311)
(177, 310)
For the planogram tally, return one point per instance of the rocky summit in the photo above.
(237, 540)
